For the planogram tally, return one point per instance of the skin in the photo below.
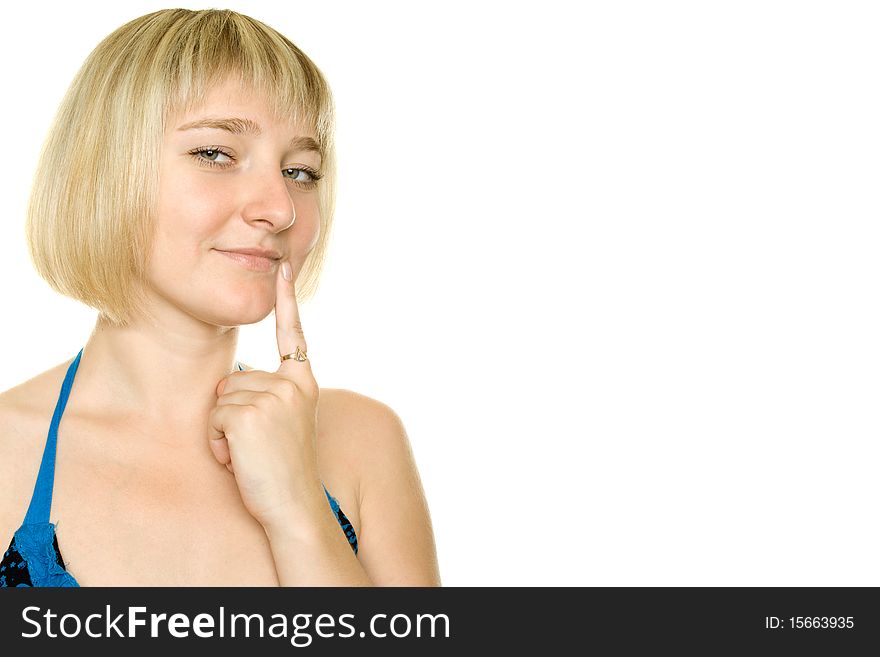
(231, 461)
(202, 209)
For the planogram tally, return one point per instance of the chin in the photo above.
(227, 314)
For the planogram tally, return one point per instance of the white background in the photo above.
(613, 264)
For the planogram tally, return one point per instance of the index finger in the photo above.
(288, 326)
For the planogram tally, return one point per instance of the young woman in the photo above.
(186, 188)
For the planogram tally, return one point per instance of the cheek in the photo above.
(188, 202)
(189, 213)
(304, 233)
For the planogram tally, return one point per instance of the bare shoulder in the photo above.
(37, 390)
(347, 425)
(9, 423)
(25, 404)
(363, 434)
(23, 429)
(14, 452)
(353, 412)
(396, 540)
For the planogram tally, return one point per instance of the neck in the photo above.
(160, 376)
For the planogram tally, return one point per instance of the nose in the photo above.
(268, 199)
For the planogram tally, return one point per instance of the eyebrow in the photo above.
(240, 126)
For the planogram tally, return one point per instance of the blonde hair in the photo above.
(89, 228)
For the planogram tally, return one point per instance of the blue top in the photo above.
(33, 557)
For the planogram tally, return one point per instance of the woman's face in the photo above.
(221, 190)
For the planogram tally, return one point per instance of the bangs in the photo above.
(213, 48)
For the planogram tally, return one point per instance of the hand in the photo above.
(263, 427)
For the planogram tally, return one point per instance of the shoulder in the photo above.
(25, 416)
(396, 543)
(352, 426)
(365, 432)
(24, 425)
(26, 403)
(37, 392)
(354, 411)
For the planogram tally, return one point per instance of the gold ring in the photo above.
(299, 355)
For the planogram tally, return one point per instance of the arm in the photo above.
(320, 555)
(395, 539)
(396, 543)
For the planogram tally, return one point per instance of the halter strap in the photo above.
(41, 500)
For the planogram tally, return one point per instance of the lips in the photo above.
(253, 251)
(252, 262)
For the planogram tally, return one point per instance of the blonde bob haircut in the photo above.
(89, 231)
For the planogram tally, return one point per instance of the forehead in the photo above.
(240, 111)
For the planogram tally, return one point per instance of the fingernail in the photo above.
(285, 270)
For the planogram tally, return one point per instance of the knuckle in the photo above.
(250, 412)
(287, 388)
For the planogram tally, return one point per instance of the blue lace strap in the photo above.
(41, 501)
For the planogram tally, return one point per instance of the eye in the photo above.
(313, 176)
(211, 154)
(207, 156)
